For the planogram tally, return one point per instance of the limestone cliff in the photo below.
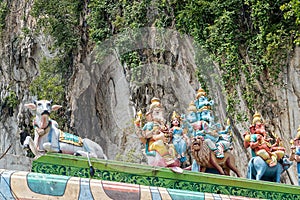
(104, 95)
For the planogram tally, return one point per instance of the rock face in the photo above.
(105, 95)
(108, 94)
(19, 55)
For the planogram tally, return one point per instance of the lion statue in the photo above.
(206, 158)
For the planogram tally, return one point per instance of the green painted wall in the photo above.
(163, 177)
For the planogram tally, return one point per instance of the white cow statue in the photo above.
(49, 138)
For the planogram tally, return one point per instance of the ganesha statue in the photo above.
(155, 135)
(259, 142)
(268, 160)
(295, 153)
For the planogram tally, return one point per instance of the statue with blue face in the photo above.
(202, 101)
(200, 122)
(188, 119)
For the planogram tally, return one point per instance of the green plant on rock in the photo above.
(292, 12)
(3, 13)
(249, 40)
(49, 84)
(60, 19)
(107, 18)
(11, 100)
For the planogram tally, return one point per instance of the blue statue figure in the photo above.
(201, 99)
(206, 115)
(199, 123)
(201, 102)
(189, 119)
(295, 154)
(218, 141)
(224, 142)
(179, 138)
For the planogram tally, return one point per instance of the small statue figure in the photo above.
(189, 119)
(179, 138)
(219, 141)
(210, 138)
(203, 127)
(295, 153)
(224, 142)
(260, 144)
(201, 99)
(203, 107)
(264, 163)
(138, 124)
(138, 120)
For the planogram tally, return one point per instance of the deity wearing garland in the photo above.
(179, 138)
(199, 122)
(155, 135)
(260, 144)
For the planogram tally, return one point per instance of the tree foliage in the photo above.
(49, 84)
(60, 19)
(3, 13)
(249, 40)
(246, 38)
(108, 18)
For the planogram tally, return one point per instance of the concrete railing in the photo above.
(163, 177)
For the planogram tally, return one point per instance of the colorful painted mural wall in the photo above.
(29, 185)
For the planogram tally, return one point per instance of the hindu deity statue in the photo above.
(201, 119)
(224, 142)
(218, 140)
(260, 144)
(203, 106)
(189, 119)
(155, 134)
(201, 99)
(295, 153)
(199, 123)
(179, 138)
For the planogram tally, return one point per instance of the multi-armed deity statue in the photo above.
(210, 143)
(259, 142)
(199, 121)
(295, 153)
(196, 130)
(264, 164)
(156, 137)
